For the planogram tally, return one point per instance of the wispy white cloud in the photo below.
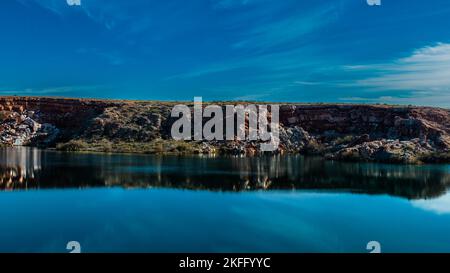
(104, 12)
(275, 65)
(286, 30)
(276, 47)
(252, 97)
(111, 57)
(426, 69)
(412, 98)
(58, 90)
(307, 83)
(422, 78)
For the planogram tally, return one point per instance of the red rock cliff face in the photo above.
(393, 122)
(61, 112)
(340, 130)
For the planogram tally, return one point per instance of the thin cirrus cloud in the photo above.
(421, 78)
(427, 69)
(103, 12)
(286, 50)
(287, 30)
(52, 91)
(276, 46)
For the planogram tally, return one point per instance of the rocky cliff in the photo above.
(401, 134)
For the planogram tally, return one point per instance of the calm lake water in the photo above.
(137, 203)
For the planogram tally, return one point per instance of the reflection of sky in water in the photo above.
(438, 205)
(267, 204)
(201, 221)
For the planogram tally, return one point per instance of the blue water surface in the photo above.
(115, 204)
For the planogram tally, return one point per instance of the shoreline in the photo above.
(341, 132)
(224, 155)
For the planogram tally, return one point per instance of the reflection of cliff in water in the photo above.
(23, 168)
(18, 167)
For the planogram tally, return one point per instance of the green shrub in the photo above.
(343, 140)
(314, 148)
(73, 145)
(436, 157)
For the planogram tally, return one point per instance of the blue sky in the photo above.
(269, 50)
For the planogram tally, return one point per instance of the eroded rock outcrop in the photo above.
(20, 129)
(400, 134)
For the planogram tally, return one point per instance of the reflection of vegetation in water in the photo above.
(31, 168)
